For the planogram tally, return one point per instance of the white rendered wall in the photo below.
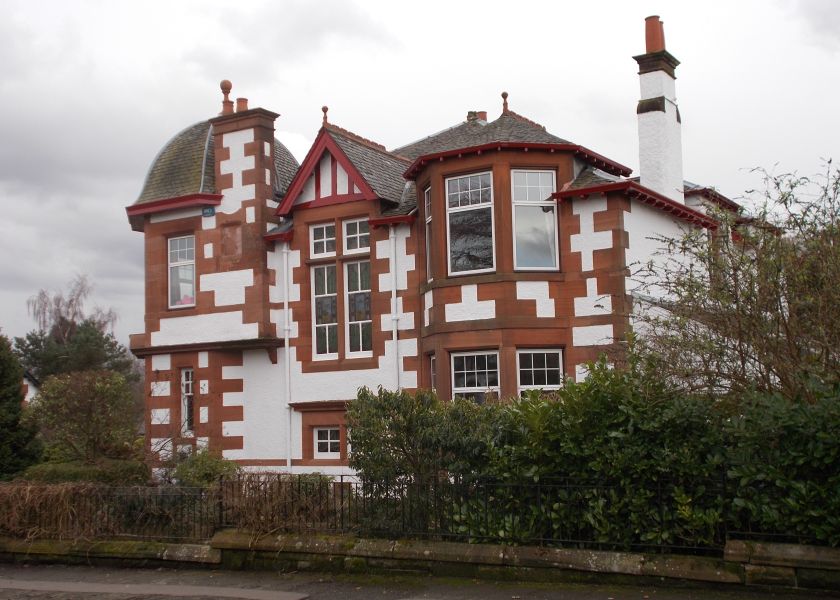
(537, 291)
(264, 424)
(470, 308)
(660, 139)
(589, 240)
(194, 329)
(228, 286)
(237, 164)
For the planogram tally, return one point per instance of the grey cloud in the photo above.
(277, 33)
(823, 18)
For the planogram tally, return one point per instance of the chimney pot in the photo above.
(241, 104)
(482, 114)
(654, 35)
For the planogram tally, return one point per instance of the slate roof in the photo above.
(408, 202)
(509, 127)
(382, 170)
(591, 177)
(185, 165)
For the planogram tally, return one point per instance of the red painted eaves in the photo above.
(593, 158)
(648, 196)
(173, 204)
(136, 212)
(392, 220)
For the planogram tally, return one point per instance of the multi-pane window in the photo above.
(534, 220)
(432, 381)
(187, 402)
(475, 374)
(427, 203)
(327, 442)
(323, 239)
(540, 369)
(325, 309)
(182, 271)
(359, 323)
(356, 236)
(469, 207)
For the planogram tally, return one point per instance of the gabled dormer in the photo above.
(343, 167)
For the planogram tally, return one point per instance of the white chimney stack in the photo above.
(660, 141)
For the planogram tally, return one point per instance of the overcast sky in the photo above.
(92, 90)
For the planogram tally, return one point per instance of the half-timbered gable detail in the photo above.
(487, 259)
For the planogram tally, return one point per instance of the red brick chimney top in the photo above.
(654, 34)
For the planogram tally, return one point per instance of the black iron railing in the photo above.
(674, 516)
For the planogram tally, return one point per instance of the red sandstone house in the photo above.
(492, 257)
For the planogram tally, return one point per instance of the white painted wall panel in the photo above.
(194, 329)
(228, 286)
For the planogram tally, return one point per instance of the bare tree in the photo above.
(755, 304)
(58, 314)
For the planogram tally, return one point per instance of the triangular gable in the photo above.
(326, 177)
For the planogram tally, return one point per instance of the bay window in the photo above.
(534, 220)
(182, 271)
(475, 375)
(469, 207)
(540, 369)
(427, 205)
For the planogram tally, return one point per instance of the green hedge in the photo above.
(664, 468)
(114, 472)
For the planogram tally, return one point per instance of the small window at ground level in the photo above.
(187, 402)
(475, 375)
(327, 442)
(540, 369)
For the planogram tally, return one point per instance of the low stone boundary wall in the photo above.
(743, 563)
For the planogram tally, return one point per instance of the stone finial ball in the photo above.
(226, 86)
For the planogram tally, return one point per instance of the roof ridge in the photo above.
(362, 140)
(523, 119)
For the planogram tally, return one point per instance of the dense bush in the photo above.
(113, 472)
(621, 458)
(203, 468)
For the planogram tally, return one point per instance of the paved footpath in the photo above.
(58, 582)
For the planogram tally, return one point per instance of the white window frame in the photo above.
(312, 273)
(347, 322)
(325, 239)
(358, 235)
(470, 390)
(549, 203)
(450, 210)
(187, 401)
(432, 374)
(178, 263)
(520, 387)
(427, 208)
(329, 454)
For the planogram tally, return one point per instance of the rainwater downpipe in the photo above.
(287, 330)
(395, 317)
